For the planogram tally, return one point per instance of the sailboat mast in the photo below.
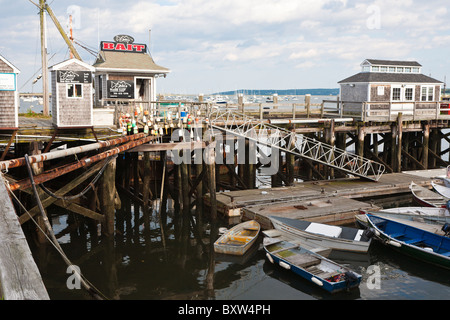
(44, 58)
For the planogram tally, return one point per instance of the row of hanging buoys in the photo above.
(157, 123)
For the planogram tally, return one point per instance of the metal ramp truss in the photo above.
(297, 144)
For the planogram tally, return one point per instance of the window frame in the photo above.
(75, 90)
(428, 89)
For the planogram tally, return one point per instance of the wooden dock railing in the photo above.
(19, 276)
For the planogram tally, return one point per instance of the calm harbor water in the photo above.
(138, 267)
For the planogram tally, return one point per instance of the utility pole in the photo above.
(45, 97)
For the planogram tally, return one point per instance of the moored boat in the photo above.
(415, 242)
(239, 239)
(441, 189)
(426, 197)
(323, 235)
(431, 226)
(311, 266)
(431, 215)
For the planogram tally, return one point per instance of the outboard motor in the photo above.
(367, 234)
(446, 229)
(350, 278)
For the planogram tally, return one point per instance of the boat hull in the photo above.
(425, 197)
(320, 240)
(332, 287)
(433, 248)
(239, 239)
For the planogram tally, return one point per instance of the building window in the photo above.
(399, 69)
(383, 69)
(365, 69)
(408, 70)
(375, 68)
(427, 93)
(409, 94)
(74, 90)
(396, 93)
(391, 69)
(415, 70)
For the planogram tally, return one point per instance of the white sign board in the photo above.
(7, 82)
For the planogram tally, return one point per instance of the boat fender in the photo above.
(394, 243)
(222, 230)
(269, 257)
(428, 249)
(317, 281)
(284, 265)
(377, 233)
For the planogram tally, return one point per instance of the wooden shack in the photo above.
(386, 87)
(125, 71)
(9, 96)
(72, 94)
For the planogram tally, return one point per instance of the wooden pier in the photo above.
(331, 202)
(138, 166)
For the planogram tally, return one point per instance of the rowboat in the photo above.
(441, 189)
(239, 239)
(415, 242)
(323, 235)
(431, 215)
(426, 197)
(311, 266)
(434, 227)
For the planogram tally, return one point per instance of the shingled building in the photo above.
(125, 70)
(390, 86)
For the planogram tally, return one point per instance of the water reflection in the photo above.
(137, 265)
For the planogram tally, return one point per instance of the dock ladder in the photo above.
(297, 144)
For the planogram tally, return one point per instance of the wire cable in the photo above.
(91, 289)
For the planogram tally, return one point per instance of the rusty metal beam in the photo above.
(52, 174)
(5, 165)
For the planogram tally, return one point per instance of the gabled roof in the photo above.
(15, 70)
(127, 62)
(393, 63)
(390, 77)
(70, 61)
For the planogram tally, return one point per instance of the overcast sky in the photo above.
(218, 45)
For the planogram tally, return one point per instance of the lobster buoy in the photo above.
(146, 129)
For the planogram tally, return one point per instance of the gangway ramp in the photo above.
(297, 144)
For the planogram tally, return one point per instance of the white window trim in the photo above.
(392, 92)
(413, 87)
(428, 88)
(67, 91)
(402, 92)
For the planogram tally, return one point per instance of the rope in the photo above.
(82, 193)
(91, 289)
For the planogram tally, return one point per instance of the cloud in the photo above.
(196, 36)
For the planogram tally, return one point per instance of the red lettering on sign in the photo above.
(139, 47)
(121, 47)
(124, 47)
(108, 46)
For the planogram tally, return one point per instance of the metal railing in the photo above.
(296, 144)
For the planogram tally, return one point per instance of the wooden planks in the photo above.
(330, 201)
(19, 276)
